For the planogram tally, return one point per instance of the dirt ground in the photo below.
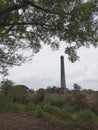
(14, 121)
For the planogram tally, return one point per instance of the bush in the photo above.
(67, 111)
(86, 119)
(86, 115)
(51, 110)
(56, 99)
(36, 98)
(30, 108)
(39, 112)
(68, 108)
(35, 110)
(93, 102)
(80, 100)
(41, 95)
(19, 94)
(7, 104)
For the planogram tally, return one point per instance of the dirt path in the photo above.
(14, 121)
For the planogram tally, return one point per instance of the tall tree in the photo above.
(28, 24)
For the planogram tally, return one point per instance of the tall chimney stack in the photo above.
(63, 83)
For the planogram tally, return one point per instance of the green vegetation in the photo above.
(76, 109)
(29, 24)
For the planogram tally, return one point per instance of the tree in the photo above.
(28, 24)
(20, 93)
(22, 87)
(7, 86)
(77, 87)
(16, 93)
(53, 89)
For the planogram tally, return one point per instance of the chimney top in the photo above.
(62, 57)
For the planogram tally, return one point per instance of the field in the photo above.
(43, 109)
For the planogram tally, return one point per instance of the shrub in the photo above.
(38, 97)
(30, 108)
(6, 104)
(67, 111)
(56, 99)
(50, 109)
(39, 112)
(16, 107)
(93, 102)
(86, 119)
(80, 100)
(19, 94)
(41, 95)
(68, 108)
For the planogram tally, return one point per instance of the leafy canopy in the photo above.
(28, 24)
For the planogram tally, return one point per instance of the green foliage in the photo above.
(93, 101)
(39, 112)
(41, 95)
(26, 24)
(68, 108)
(59, 109)
(56, 99)
(37, 97)
(6, 87)
(2, 4)
(17, 93)
(80, 100)
(22, 87)
(50, 109)
(86, 115)
(86, 119)
(53, 89)
(67, 112)
(7, 104)
(30, 108)
(35, 110)
(77, 87)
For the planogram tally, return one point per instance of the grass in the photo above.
(60, 109)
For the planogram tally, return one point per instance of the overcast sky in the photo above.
(45, 69)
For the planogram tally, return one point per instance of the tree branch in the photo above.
(25, 23)
(22, 5)
(39, 7)
(45, 26)
(9, 63)
(11, 8)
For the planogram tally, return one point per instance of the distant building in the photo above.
(63, 81)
